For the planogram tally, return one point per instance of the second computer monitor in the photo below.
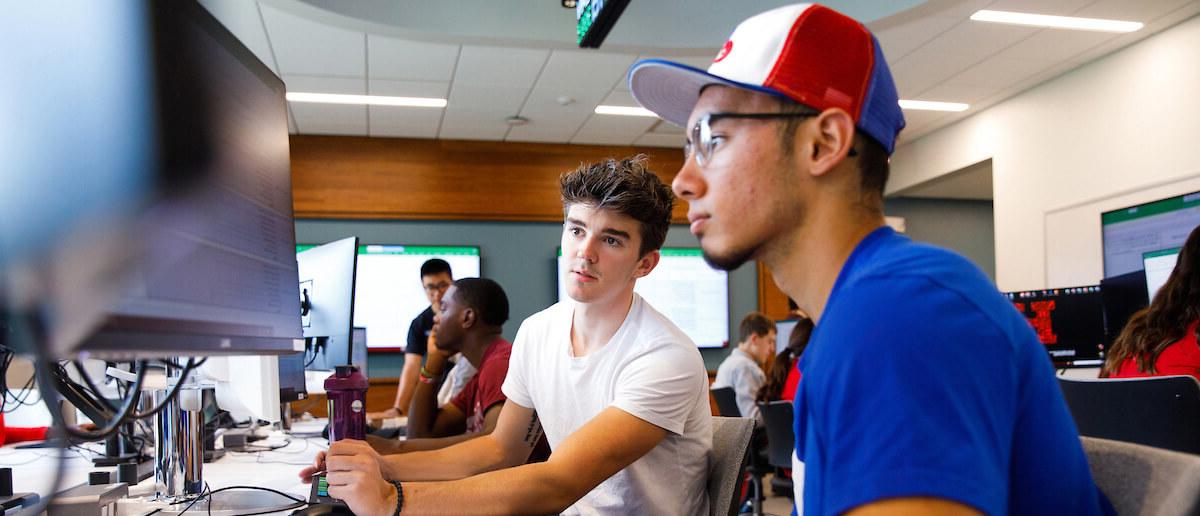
(327, 293)
(1068, 321)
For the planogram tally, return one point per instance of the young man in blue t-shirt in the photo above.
(923, 391)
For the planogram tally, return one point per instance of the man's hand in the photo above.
(359, 448)
(355, 478)
(318, 466)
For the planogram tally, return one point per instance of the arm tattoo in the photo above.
(534, 431)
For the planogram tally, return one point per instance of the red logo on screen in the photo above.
(724, 51)
(1041, 319)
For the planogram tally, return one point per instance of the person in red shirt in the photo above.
(469, 320)
(1161, 339)
(18, 434)
(784, 376)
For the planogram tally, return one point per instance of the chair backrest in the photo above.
(726, 402)
(777, 415)
(731, 446)
(1143, 480)
(1162, 411)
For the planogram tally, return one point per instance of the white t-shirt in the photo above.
(649, 369)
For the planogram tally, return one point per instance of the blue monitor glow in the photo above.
(684, 288)
(326, 276)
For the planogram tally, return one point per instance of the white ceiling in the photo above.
(934, 51)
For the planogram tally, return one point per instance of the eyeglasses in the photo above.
(436, 287)
(703, 144)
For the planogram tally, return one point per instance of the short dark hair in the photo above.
(755, 323)
(873, 160)
(484, 296)
(626, 186)
(435, 266)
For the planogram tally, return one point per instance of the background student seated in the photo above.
(742, 370)
(470, 319)
(783, 377)
(1161, 339)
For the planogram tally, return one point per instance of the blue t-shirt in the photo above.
(922, 380)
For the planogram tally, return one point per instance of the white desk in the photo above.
(33, 470)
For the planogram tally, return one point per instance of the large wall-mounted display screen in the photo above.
(685, 289)
(1130, 233)
(388, 292)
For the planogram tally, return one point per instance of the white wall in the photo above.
(1121, 129)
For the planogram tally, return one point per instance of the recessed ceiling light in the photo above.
(624, 110)
(1056, 22)
(369, 100)
(926, 105)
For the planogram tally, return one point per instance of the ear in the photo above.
(830, 138)
(468, 318)
(647, 264)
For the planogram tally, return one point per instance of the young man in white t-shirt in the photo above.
(620, 391)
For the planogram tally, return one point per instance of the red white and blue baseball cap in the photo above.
(808, 53)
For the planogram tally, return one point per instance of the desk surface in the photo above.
(276, 469)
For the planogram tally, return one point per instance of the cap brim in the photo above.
(671, 90)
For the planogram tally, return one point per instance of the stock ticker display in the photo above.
(1068, 321)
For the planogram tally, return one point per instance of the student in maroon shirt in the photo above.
(1161, 339)
(470, 319)
(17, 434)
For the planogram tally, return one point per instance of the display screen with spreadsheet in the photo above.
(1130, 233)
(685, 289)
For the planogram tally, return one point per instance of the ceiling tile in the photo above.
(923, 69)
(243, 20)
(900, 40)
(498, 66)
(391, 88)
(1001, 72)
(310, 84)
(620, 98)
(390, 58)
(474, 124)
(406, 122)
(613, 129)
(571, 71)
(330, 118)
(978, 39)
(544, 111)
(1143, 11)
(665, 127)
(659, 140)
(956, 91)
(1054, 7)
(1057, 45)
(957, 9)
(306, 47)
(489, 97)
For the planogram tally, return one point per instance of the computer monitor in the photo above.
(358, 349)
(783, 333)
(291, 378)
(215, 268)
(1068, 321)
(326, 276)
(1122, 296)
(246, 387)
(1158, 266)
(684, 288)
(1129, 233)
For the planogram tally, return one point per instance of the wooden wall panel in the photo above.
(343, 177)
(771, 301)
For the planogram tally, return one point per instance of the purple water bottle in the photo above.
(346, 389)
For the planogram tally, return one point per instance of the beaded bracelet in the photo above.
(399, 497)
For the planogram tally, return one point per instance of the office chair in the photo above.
(1162, 411)
(731, 447)
(727, 405)
(781, 444)
(1139, 479)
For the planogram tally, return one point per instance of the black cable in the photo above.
(114, 424)
(187, 369)
(208, 493)
(88, 380)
